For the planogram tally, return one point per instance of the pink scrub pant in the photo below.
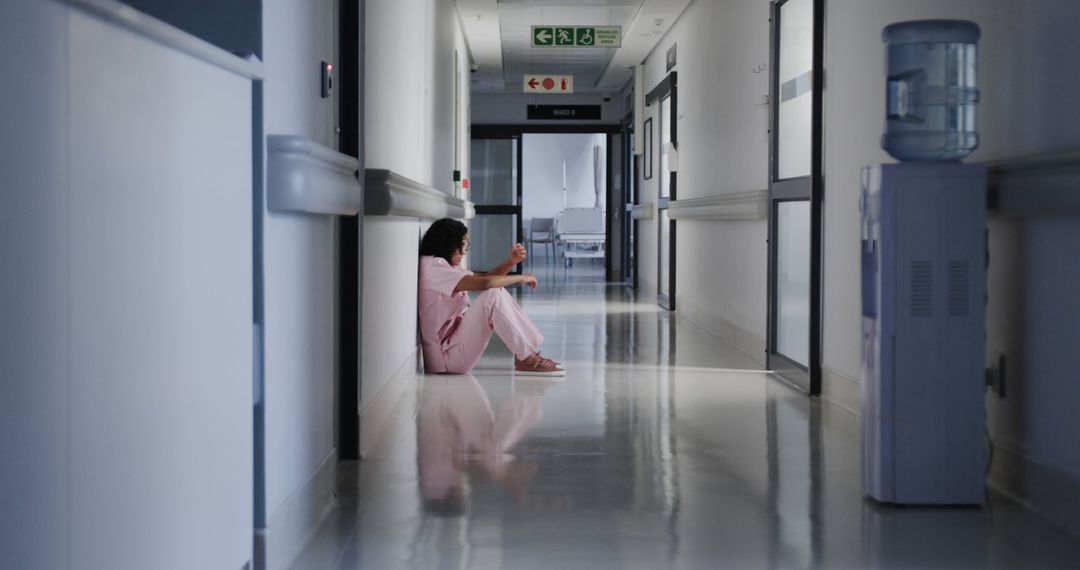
(494, 311)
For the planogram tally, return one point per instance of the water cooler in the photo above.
(924, 277)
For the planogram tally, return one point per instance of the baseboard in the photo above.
(1050, 492)
(841, 390)
(293, 525)
(743, 340)
(399, 426)
(380, 411)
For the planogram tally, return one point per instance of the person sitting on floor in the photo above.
(453, 332)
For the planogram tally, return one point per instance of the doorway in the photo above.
(795, 190)
(664, 97)
(508, 187)
(627, 230)
(566, 188)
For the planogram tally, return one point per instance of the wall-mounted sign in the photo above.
(577, 36)
(563, 112)
(549, 84)
(671, 56)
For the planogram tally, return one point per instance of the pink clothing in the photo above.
(496, 312)
(453, 333)
(457, 426)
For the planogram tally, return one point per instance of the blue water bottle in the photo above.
(931, 93)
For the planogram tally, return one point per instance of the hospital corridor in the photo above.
(537, 284)
(661, 449)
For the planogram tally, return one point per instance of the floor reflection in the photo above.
(464, 442)
(663, 448)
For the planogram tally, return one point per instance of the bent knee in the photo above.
(491, 296)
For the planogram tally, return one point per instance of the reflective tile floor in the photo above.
(662, 448)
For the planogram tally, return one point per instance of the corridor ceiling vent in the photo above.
(499, 33)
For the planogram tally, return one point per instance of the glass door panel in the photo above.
(664, 254)
(496, 194)
(665, 190)
(494, 172)
(793, 281)
(629, 200)
(491, 236)
(665, 142)
(796, 89)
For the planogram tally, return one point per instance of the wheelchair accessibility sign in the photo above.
(577, 36)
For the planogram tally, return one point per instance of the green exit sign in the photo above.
(577, 36)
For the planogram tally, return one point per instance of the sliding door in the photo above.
(664, 96)
(496, 193)
(794, 341)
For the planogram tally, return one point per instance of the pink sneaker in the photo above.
(537, 365)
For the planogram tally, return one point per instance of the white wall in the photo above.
(411, 46)
(35, 422)
(722, 134)
(543, 157)
(1038, 333)
(126, 358)
(300, 281)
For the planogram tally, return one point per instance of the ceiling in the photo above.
(499, 33)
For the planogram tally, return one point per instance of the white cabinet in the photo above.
(924, 321)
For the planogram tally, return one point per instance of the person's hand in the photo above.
(530, 280)
(517, 254)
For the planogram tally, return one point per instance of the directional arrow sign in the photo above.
(543, 36)
(577, 36)
(549, 84)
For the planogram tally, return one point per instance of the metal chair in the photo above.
(541, 231)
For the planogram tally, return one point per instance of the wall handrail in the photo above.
(1046, 185)
(642, 211)
(129, 18)
(306, 177)
(387, 193)
(735, 206)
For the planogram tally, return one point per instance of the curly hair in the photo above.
(443, 238)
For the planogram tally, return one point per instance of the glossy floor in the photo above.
(662, 448)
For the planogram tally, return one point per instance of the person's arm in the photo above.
(517, 255)
(484, 282)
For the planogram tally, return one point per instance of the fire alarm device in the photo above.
(327, 79)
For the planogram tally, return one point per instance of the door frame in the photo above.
(628, 200)
(516, 131)
(807, 188)
(666, 89)
(350, 232)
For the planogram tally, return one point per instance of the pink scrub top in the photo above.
(440, 309)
